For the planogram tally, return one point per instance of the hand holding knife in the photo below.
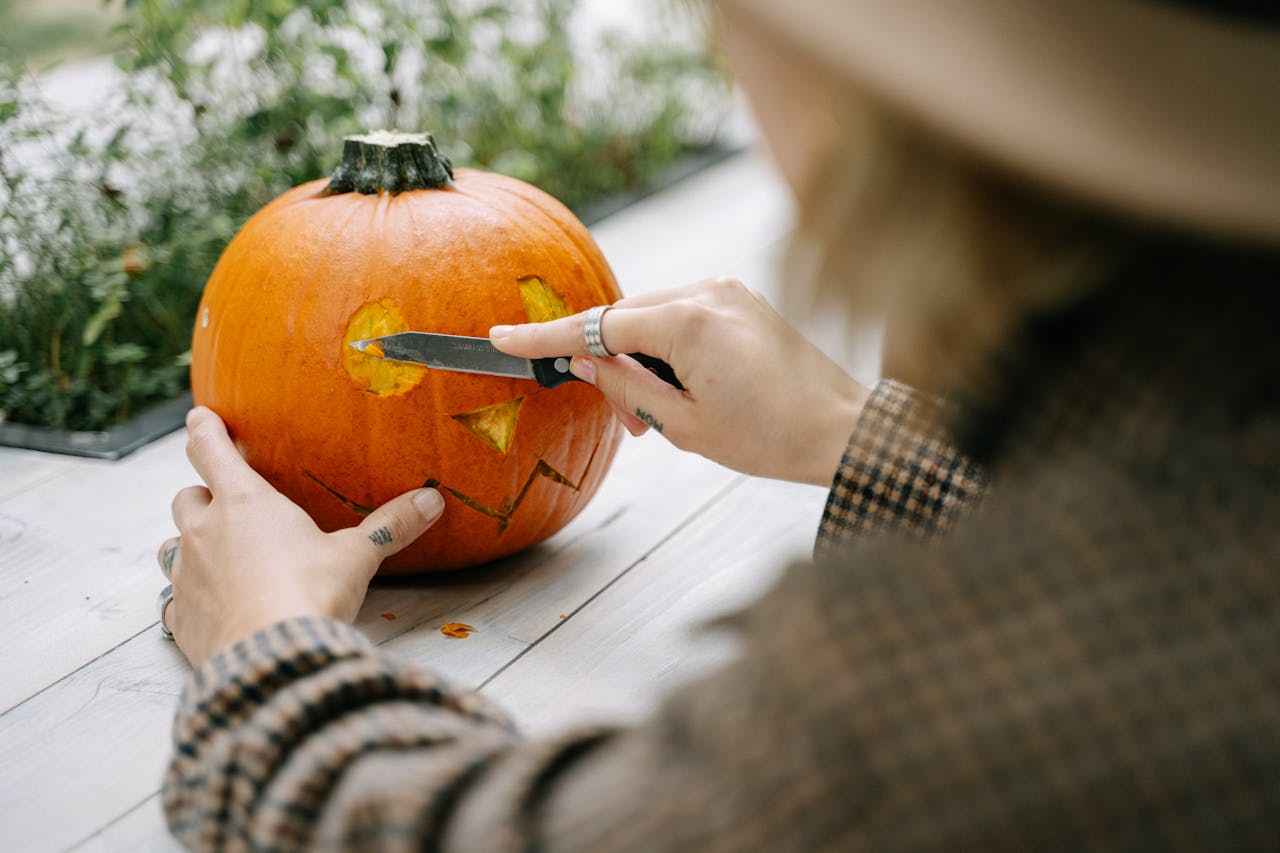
(478, 355)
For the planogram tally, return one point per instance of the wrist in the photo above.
(828, 448)
(246, 624)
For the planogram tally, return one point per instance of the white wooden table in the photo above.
(595, 623)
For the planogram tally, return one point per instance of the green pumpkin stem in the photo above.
(389, 161)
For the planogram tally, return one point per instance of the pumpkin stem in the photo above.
(389, 161)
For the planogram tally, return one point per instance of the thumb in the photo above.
(391, 527)
(633, 390)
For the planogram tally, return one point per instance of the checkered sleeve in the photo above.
(305, 736)
(899, 473)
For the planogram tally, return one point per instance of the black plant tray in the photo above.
(159, 420)
(164, 418)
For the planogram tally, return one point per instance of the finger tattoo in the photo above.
(167, 559)
(381, 536)
(649, 419)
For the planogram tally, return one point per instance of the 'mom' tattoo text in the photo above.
(381, 536)
(649, 419)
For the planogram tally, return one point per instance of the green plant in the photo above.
(95, 281)
(110, 224)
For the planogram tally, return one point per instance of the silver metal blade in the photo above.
(450, 352)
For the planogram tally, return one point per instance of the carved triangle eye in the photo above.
(542, 302)
(495, 425)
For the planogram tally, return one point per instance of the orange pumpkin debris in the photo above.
(457, 630)
(390, 617)
(375, 350)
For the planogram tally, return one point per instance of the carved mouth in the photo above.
(502, 514)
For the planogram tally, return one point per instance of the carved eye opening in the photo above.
(494, 424)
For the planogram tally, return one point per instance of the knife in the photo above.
(477, 355)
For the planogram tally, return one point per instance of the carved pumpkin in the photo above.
(398, 241)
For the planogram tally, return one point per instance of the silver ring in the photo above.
(166, 596)
(591, 332)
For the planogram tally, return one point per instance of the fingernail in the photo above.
(584, 369)
(429, 503)
(501, 331)
(191, 415)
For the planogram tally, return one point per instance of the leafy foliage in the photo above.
(110, 224)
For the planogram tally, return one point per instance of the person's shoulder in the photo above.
(1093, 643)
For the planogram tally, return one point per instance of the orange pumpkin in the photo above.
(398, 241)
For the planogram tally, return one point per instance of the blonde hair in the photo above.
(952, 254)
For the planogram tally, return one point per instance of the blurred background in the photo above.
(43, 32)
(136, 137)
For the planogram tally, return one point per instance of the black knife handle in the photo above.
(553, 372)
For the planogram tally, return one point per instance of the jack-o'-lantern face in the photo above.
(341, 432)
(494, 425)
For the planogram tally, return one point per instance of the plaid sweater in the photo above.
(1089, 657)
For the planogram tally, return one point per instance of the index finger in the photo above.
(623, 330)
(213, 455)
(541, 340)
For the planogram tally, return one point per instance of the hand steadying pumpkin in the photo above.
(249, 557)
(759, 397)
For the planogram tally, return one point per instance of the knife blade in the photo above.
(478, 355)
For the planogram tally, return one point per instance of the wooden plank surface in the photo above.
(600, 613)
(647, 633)
(60, 749)
(139, 830)
(79, 575)
(22, 469)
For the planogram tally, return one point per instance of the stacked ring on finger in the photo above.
(591, 335)
(166, 597)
